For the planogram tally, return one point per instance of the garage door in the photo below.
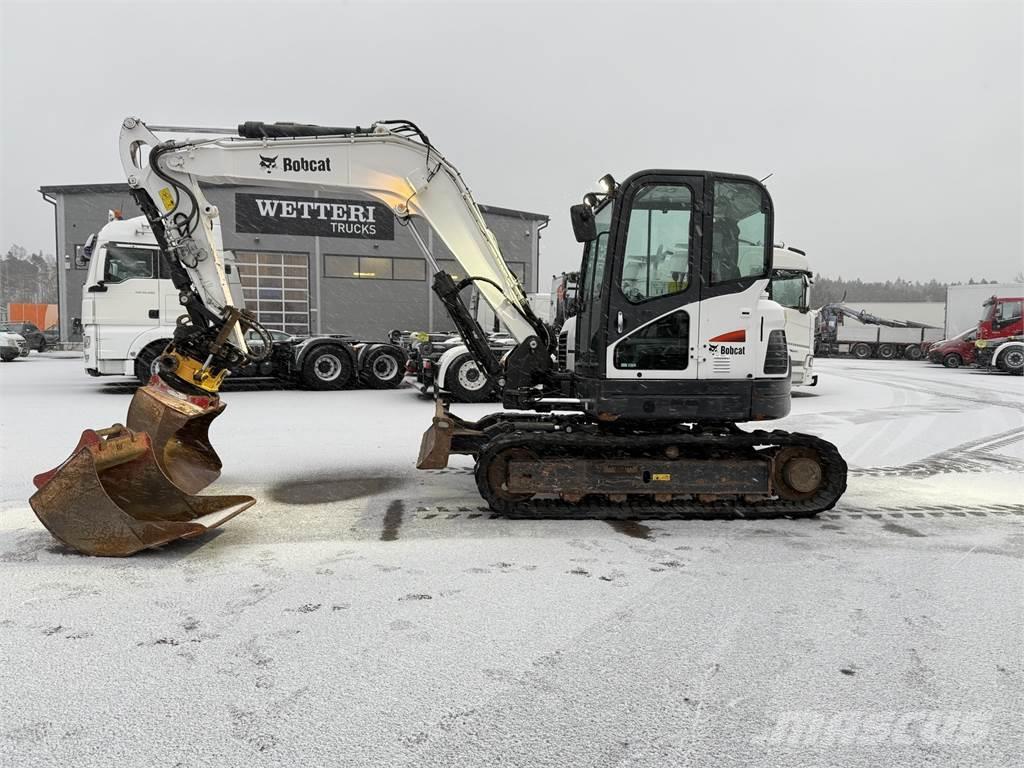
(276, 288)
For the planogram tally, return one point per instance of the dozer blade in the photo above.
(111, 498)
(436, 445)
(179, 430)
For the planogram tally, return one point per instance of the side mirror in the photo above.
(583, 225)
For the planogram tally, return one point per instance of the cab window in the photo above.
(1008, 312)
(125, 263)
(657, 258)
(740, 233)
(789, 289)
(663, 345)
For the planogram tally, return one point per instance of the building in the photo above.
(303, 275)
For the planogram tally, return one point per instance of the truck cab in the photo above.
(790, 286)
(1001, 317)
(129, 302)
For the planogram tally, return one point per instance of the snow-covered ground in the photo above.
(364, 613)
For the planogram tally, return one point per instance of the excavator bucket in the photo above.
(110, 498)
(178, 427)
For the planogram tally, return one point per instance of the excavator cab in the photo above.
(669, 327)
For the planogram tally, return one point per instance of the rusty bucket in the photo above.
(178, 427)
(436, 443)
(110, 498)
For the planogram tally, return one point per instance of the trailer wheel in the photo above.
(466, 382)
(328, 367)
(383, 367)
(1013, 361)
(886, 351)
(913, 352)
(952, 360)
(861, 351)
(146, 360)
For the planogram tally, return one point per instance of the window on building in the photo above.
(276, 287)
(374, 267)
(410, 269)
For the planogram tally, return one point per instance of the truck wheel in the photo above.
(466, 382)
(1013, 361)
(145, 361)
(6, 357)
(952, 360)
(886, 351)
(913, 352)
(383, 367)
(42, 346)
(328, 367)
(861, 351)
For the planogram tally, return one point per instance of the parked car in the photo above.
(34, 338)
(52, 335)
(11, 346)
(954, 352)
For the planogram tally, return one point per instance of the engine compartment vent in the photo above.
(776, 358)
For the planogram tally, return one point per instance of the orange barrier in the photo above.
(41, 315)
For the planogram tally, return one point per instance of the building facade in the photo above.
(301, 271)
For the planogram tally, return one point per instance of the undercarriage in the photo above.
(572, 466)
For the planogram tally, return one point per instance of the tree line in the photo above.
(27, 278)
(828, 290)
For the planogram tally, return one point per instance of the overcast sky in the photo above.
(893, 130)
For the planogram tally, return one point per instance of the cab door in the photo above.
(653, 310)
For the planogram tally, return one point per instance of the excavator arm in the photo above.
(392, 162)
(134, 486)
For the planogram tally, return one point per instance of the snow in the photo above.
(364, 613)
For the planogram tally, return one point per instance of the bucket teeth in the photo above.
(179, 430)
(111, 498)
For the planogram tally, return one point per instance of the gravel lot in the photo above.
(364, 613)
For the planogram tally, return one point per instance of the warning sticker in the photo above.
(167, 198)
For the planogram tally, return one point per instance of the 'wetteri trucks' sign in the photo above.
(286, 215)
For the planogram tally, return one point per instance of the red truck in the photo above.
(1001, 317)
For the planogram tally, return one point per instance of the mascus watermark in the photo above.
(807, 728)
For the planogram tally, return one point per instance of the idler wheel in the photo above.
(798, 473)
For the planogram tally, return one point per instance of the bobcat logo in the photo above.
(268, 162)
(713, 348)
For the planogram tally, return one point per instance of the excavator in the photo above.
(629, 410)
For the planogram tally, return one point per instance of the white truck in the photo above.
(790, 286)
(130, 309)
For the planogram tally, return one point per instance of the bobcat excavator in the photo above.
(631, 411)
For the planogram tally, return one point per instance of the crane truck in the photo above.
(869, 335)
(674, 344)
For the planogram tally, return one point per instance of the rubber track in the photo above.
(561, 444)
